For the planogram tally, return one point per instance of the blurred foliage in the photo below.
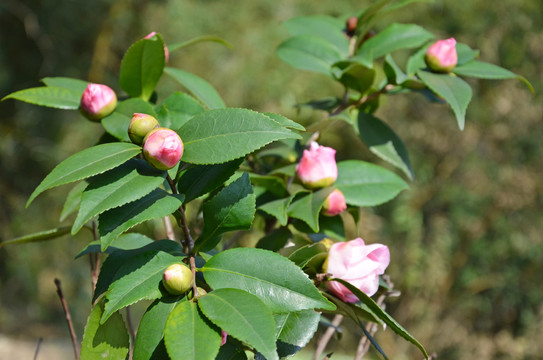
(467, 251)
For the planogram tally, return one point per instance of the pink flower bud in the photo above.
(177, 279)
(441, 56)
(334, 203)
(358, 264)
(166, 52)
(224, 335)
(140, 126)
(318, 167)
(97, 101)
(162, 148)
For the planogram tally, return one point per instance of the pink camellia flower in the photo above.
(162, 148)
(224, 335)
(318, 167)
(334, 203)
(441, 56)
(358, 264)
(166, 52)
(97, 101)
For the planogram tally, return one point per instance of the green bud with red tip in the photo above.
(177, 279)
(140, 126)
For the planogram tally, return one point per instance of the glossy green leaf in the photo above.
(114, 222)
(307, 52)
(243, 316)
(233, 208)
(273, 184)
(73, 200)
(232, 350)
(308, 207)
(151, 328)
(483, 70)
(108, 340)
(39, 236)
(281, 285)
(189, 336)
(383, 142)
(275, 240)
(354, 75)
(139, 279)
(465, 54)
(416, 61)
(387, 319)
(305, 254)
(394, 37)
(86, 163)
(278, 208)
(67, 83)
(202, 179)
(355, 311)
(199, 39)
(222, 135)
(49, 96)
(294, 330)
(129, 241)
(326, 27)
(455, 91)
(285, 121)
(394, 74)
(117, 123)
(365, 184)
(177, 109)
(199, 87)
(142, 66)
(128, 182)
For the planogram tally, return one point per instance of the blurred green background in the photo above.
(466, 239)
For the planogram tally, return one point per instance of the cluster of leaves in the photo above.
(238, 165)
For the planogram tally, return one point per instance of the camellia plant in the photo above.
(240, 170)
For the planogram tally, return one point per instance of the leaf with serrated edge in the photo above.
(189, 336)
(39, 236)
(86, 163)
(199, 87)
(67, 83)
(294, 330)
(128, 241)
(278, 208)
(73, 200)
(243, 316)
(49, 96)
(116, 187)
(281, 285)
(308, 207)
(108, 340)
(221, 135)
(139, 279)
(157, 204)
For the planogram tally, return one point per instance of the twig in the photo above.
(94, 259)
(169, 229)
(68, 319)
(193, 269)
(188, 242)
(38, 348)
(323, 341)
(131, 331)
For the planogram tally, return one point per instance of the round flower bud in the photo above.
(318, 167)
(441, 56)
(358, 264)
(177, 279)
(166, 52)
(334, 203)
(162, 148)
(140, 126)
(350, 25)
(97, 101)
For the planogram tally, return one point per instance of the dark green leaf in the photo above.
(157, 204)
(232, 350)
(199, 87)
(483, 70)
(222, 135)
(142, 66)
(394, 74)
(188, 336)
(416, 61)
(365, 184)
(86, 163)
(108, 340)
(455, 91)
(275, 239)
(117, 123)
(305, 254)
(387, 319)
(67, 83)
(308, 207)
(383, 142)
(39, 236)
(49, 96)
(354, 75)
(177, 109)
(355, 311)
(285, 122)
(273, 184)
(294, 330)
(151, 328)
(202, 179)
(129, 241)
(278, 208)
(73, 200)
(243, 316)
(309, 52)
(233, 208)
(197, 40)
(281, 285)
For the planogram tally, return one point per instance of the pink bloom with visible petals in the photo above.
(166, 52)
(441, 56)
(318, 167)
(97, 101)
(224, 335)
(335, 203)
(162, 148)
(358, 264)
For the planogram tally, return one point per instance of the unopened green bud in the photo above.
(177, 279)
(140, 126)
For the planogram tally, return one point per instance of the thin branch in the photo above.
(68, 319)
(188, 241)
(94, 259)
(38, 348)
(323, 341)
(169, 228)
(193, 270)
